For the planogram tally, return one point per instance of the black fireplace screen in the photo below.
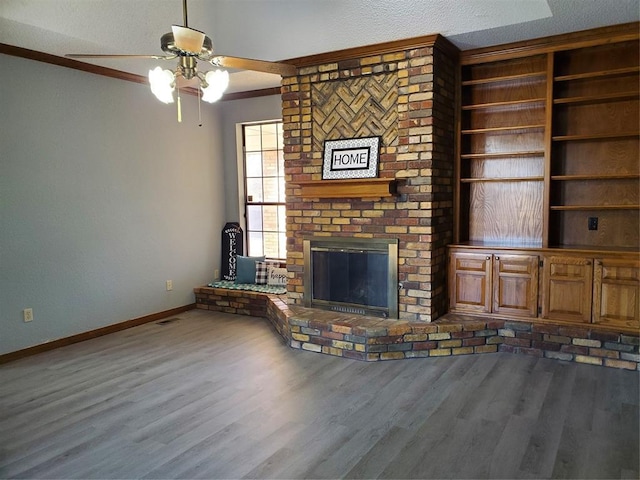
(351, 277)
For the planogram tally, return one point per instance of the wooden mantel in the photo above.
(351, 188)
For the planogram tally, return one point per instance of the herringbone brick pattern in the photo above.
(355, 108)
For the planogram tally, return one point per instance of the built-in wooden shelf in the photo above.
(598, 98)
(508, 103)
(594, 207)
(526, 153)
(350, 188)
(503, 78)
(615, 72)
(510, 129)
(503, 179)
(594, 136)
(619, 176)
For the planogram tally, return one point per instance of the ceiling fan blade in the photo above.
(90, 55)
(277, 68)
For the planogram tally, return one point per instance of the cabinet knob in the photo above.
(497, 258)
(588, 262)
(488, 257)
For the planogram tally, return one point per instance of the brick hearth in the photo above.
(372, 339)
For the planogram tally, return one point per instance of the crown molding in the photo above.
(435, 40)
(583, 38)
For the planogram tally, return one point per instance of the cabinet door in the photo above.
(616, 293)
(515, 285)
(469, 282)
(566, 284)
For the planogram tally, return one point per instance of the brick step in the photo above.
(371, 338)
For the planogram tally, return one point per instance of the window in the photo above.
(264, 190)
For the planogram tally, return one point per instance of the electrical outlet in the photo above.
(593, 223)
(169, 285)
(216, 274)
(27, 314)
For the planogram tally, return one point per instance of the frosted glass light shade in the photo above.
(162, 84)
(187, 39)
(218, 81)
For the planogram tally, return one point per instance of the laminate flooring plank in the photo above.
(64, 464)
(613, 447)
(336, 463)
(314, 442)
(252, 450)
(495, 397)
(543, 444)
(534, 391)
(577, 427)
(375, 460)
(511, 447)
(213, 395)
(14, 462)
(440, 412)
(459, 374)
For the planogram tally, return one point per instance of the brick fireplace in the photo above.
(407, 98)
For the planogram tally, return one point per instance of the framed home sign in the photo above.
(353, 158)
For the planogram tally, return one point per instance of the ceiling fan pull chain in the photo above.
(179, 105)
(199, 112)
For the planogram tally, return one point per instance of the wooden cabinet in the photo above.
(515, 285)
(566, 288)
(470, 282)
(587, 287)
(487, 283)
(616, 293)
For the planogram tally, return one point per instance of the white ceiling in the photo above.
(282, 29)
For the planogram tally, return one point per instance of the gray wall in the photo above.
(103, 197)
(235, 112)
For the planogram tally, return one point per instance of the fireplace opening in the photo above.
(352, 275)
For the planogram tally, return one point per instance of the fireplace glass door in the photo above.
(352, 275)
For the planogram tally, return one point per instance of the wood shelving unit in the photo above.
(502, 149)
(553, 138)
(549, 150)
(594, 169)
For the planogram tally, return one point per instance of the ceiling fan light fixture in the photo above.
(187, 39)
(214, 85)
(162, 84)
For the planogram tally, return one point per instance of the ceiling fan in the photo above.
(190, 46)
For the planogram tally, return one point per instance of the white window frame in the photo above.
(242, 181)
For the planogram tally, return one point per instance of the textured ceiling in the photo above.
(281, 29)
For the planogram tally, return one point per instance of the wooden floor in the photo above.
(211, 395)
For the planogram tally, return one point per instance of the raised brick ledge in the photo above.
(372, 339)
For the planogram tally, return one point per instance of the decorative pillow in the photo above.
(262, 271)
(277, 276)
(246, 268)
